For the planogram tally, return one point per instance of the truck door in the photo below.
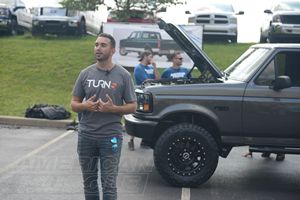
(24, 18)
(270, 113)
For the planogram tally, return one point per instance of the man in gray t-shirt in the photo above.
(109, 93)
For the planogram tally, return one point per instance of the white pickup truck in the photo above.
(218, 20)
(15, 18)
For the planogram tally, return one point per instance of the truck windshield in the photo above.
(7, 2)
(288, 6)
(47, 11)
(247, 64)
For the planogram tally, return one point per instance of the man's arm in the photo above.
(109, 106)
(156, 72)
(78, 106)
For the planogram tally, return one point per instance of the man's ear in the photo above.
(113, 50)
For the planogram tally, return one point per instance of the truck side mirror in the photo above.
(268, 11)
(240, 13)
(282, 82)
(187, 12)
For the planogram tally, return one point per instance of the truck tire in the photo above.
(14, 27)
(123, 51)
(233, 39)
(81, 29)
(186, 155)
(35, 32)
(272, 39)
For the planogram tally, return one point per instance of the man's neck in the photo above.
(106, 66)
(175, 67)
(144, 63)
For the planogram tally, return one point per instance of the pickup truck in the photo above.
(219, 20)
(281, 23)
(12, 14)
(190, 122)
(57, 20)
(16, 18)
(139, 41)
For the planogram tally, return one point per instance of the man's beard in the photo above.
(102, 57)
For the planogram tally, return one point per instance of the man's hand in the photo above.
(107, 106)
(90, 104)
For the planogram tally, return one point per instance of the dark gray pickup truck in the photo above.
(139, 41)
(190, 122)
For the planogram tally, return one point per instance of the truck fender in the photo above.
(192, 108)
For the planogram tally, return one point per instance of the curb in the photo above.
(22, 121)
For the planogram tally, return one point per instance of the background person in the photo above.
(109, 93)
(145, 70)
(176, 70)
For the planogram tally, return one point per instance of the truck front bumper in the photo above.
(5, 24)
(139, 128)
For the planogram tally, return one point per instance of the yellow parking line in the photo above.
(32, 153)
(185, 194)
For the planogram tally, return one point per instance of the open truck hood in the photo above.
(189, 45)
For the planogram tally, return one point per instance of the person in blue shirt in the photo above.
(176, 70)
(146, 69)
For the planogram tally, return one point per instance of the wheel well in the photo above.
(14, 17)
(188, 117)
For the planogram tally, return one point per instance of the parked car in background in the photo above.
(14, 16)
(139, 41)
(218, 20)
(282, 23)
(57, 20)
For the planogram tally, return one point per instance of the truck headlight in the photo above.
(73, 23)
(232, 20)
(276, 18)
(35, 23)
(144, 102)
(192, 20)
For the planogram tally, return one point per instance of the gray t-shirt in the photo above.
(117, 84)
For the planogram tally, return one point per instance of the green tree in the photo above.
(123, 7)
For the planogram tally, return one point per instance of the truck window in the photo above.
(153, 36)
(267, 76)
(284, 63)
(133, 35)
(146, 35)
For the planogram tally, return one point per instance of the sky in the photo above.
(248, 24)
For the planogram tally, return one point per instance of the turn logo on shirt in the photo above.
(102, 83)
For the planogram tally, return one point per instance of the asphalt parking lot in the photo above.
(41, 163)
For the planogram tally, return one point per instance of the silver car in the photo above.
(282, 23)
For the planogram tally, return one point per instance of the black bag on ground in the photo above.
(47, 111)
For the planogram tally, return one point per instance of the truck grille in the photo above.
(3, 12)
(212, 19)
(290, 19)
(55, 26)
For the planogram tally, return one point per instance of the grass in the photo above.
(44, 69)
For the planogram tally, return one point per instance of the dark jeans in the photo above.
(90, 151)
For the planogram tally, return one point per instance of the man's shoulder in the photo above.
(139, 66)
(89, 68)
(122, 69)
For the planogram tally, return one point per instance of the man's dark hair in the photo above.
(144, 54)
(110, 37)
(175, 54)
